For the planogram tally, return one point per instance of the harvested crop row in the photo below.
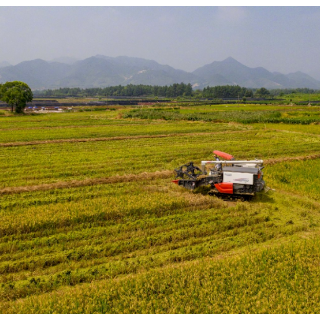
(121, 265)
(178, 236)
(284, 279)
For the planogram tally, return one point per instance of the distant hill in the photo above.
(103, 71)
(4, 64)
(66, 60)
(230, 71)
(38, 74)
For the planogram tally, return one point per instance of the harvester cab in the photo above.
(227, 176)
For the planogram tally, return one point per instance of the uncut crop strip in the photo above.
(144, 127)
(59, 120)
(127, 178)
(216, 116)
(241, 116)
(98, 157)
(30, 143)
(296, 129)
(297, 177)
(112, 122)
(62, 159)
(46, 164)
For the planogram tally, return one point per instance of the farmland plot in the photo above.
(97, 226)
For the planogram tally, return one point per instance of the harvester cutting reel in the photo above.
(192, 177)
(228, 177)
(188, 171)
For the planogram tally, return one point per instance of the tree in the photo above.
(262, 92)
(16, 94)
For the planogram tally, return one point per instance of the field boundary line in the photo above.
(30, 143)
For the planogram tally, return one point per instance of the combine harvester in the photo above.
(229, 178)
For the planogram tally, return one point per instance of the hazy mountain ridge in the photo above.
(4, 64)
(237, 73)
(102, 71)
(66, 60)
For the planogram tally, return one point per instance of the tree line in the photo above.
(171, 91)
(168, 91)
(226, 92)
(130, 90)
(281, 92)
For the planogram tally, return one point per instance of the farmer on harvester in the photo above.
(218, 166)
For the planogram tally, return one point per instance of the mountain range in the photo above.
(103, 71)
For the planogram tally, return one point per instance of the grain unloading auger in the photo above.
(236, 178)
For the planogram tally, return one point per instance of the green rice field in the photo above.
(90, 221)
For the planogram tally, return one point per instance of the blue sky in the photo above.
(284, 39)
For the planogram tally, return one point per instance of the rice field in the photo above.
(91, 223)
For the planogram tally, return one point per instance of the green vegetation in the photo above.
(90, 221)
(236, 116)
(241, 115)
(174, 90)
(183, 91)
(16, 94)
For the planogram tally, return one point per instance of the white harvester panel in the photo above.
(238, 177)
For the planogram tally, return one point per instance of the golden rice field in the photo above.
(91, 223)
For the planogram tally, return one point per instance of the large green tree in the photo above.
(16, 94)
(262, 92)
